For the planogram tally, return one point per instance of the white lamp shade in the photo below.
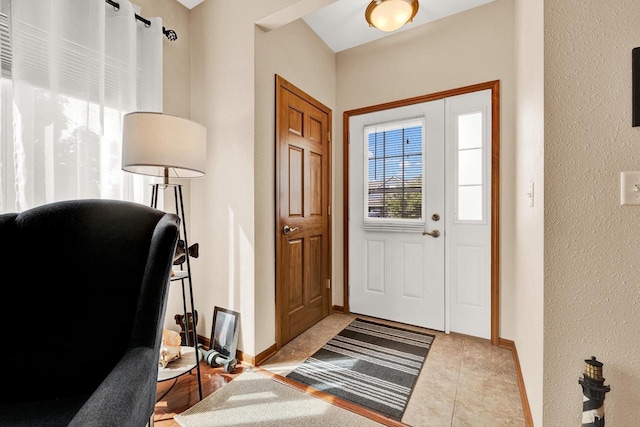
(155, 142)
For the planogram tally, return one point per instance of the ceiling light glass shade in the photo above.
(389, 15)
(160, 144)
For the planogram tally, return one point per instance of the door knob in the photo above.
(286, 230)
(434, 233)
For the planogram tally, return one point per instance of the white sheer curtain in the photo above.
(77, 67)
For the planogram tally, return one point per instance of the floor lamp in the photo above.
(167, 146)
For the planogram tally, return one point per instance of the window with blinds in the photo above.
(394, 171)
(79, 68)
(5, 39)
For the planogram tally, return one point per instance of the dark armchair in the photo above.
(84, 291)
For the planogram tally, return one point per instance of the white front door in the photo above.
(414, 170)
(396, 189)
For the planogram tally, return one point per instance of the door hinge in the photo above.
(329, 210)
(329, 136)
(328, 283)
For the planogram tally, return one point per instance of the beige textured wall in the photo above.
(222, 95)
(224, 203)
(528, 257)
(176, 94)
(298, 55)
(592, 244)
(472, 47)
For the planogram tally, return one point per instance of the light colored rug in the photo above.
(254, 400)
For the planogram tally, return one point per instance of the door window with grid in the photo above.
(394, 173)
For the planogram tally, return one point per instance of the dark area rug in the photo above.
(370, 364)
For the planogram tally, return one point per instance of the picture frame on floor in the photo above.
(224, 331)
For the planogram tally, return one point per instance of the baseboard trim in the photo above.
(526, 409)
(265, 355)
(242, 356)
(245, 358)
(338, 309)
(203, 340)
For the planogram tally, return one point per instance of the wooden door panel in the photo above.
(315, 187)
(303, 257)
(296, 121)
(295, 274)
(314, 133)
(296, 181)
(299, 319)
(316, 268)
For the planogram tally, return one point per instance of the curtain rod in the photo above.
(171, 35)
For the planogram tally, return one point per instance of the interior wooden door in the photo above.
(303, 238)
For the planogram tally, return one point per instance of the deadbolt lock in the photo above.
(435, 217)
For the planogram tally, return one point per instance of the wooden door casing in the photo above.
(494, 86)
(303, 170)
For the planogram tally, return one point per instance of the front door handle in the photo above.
(434, 233)
(286, 230)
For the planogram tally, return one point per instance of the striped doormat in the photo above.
(372, 365)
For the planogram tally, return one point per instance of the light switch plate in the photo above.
(630, 188)
(531, 195)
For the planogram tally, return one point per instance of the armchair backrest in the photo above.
(88, 279)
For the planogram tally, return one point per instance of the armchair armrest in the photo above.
(135, 379)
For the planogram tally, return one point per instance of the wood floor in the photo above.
(177, 395)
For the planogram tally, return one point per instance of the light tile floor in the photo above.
(465, 382)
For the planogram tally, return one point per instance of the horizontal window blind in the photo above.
(394, 170)
(78, 67)
(5, 39)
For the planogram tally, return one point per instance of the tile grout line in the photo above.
(455, 398)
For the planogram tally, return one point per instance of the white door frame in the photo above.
(494, 86)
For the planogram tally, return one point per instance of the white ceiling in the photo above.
(190, 3)
(342, 24)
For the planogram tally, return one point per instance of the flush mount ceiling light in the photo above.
(389, 15)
